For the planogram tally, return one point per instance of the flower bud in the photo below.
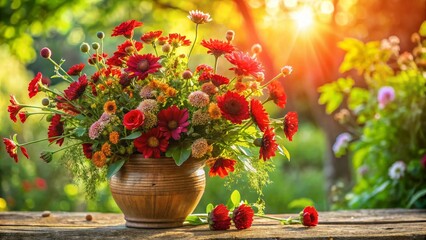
(45, 52)
(166, 48)
(286, 70)
(256, 48)
(230, 35)
(45, 102)
(187, 74)
(415, 38)
(100, 35)
(84, 47)
(49, 118)
(258, 142)
(46, 156)
(95, 45)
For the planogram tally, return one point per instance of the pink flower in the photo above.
(173, 121)
(141, 65)
(385, 96)
(199, 17)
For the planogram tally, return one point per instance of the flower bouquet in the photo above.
(144, 98)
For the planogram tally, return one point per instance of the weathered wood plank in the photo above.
(361, 224)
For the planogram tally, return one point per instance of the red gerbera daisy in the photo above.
(126, 28)
(233, 107)
(176, 40)
(56, 129)
(33, 87)
(142, 65)
(259, 115)
(245, 65)
(217, 47)
(76, 89)
(243, 217)
(219, 219)
(173, 121)
(291, 125)
(218, 80)
(151, 37)
(152, 143)
(220, 167)
(277, 94)
(76, 69)
(13, 108)
(124, 50)
(12, 149)
(268, 145)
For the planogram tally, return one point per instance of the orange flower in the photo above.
(114, 137)
(109, 81)
(106, 149)
(101, 87)
(214, 111)
(99, 159)
(161, 99)
(110, 107)
(171, 92)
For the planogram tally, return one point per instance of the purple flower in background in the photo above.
(396, 171)
(386, 95)
(341, 143)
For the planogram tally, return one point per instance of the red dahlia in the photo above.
(269, 145)
(291, 125)
(218, 80)
(142, 65)
(34, 86)
(259, 115)
(87, 150)
(243, 217)
(56, 129)
(151, 37)
(152, 143)
(233, 107)
(12, 149)
(245, 65)
(176, 40)
(76, 69)
(217, 47)
(126, 28)
(220, 167)
(13, 108)
(76, 89)
(219, 218)
(309, 216)
(173, 121)
(277, 94)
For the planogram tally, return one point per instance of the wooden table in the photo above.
(360, 224)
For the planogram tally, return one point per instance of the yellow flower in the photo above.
(114, 137)
(110, 107)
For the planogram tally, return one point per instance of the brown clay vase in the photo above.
(156, 193)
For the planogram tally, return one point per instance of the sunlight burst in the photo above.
(303, 18)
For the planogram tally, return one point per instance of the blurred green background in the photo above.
(283, 29)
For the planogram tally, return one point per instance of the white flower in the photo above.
(341, 143)
(396, 171)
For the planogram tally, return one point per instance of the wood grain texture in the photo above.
(361, 224)
(155, 193)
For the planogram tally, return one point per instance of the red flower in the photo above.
(12, 149)
(23, 116)
(176, 40)
(277, 94)
(76, 69)
(63, 104)
(33, 87)
(56, 129)
(126, 28)
(220, 167)
(87, 150)
(76, 89)
(13, 108)
(124, 50)
(259, 115)
(218, 79)
(244, 64)
(291, 125)
(269, 145)
(97, 58)
(219, 218)
(40, 183)
(243, 217)
(173, 121)
(151, 37)
(217, 47)
(142, 65)
(233, 107)
(152, 143)
(203, 68)
(309, 216)
(133, 119)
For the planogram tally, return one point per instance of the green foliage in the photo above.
(387, 122)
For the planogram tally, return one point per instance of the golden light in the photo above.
(303, 17)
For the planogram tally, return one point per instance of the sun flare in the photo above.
(304, 18)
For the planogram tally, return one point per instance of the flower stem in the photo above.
(155, 48)
(195, 40)
(60, 68)
(275, 78)
(215, 63)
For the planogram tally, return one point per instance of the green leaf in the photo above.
(114, 168)
(80, 117)
(422, 30)
(234, 200)
(180, 153)
(80, 131)
(300, 203)
(133, 136)
(209, 208)
(246, 151)
(195, 220)
(416, 196)
(283, 151)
